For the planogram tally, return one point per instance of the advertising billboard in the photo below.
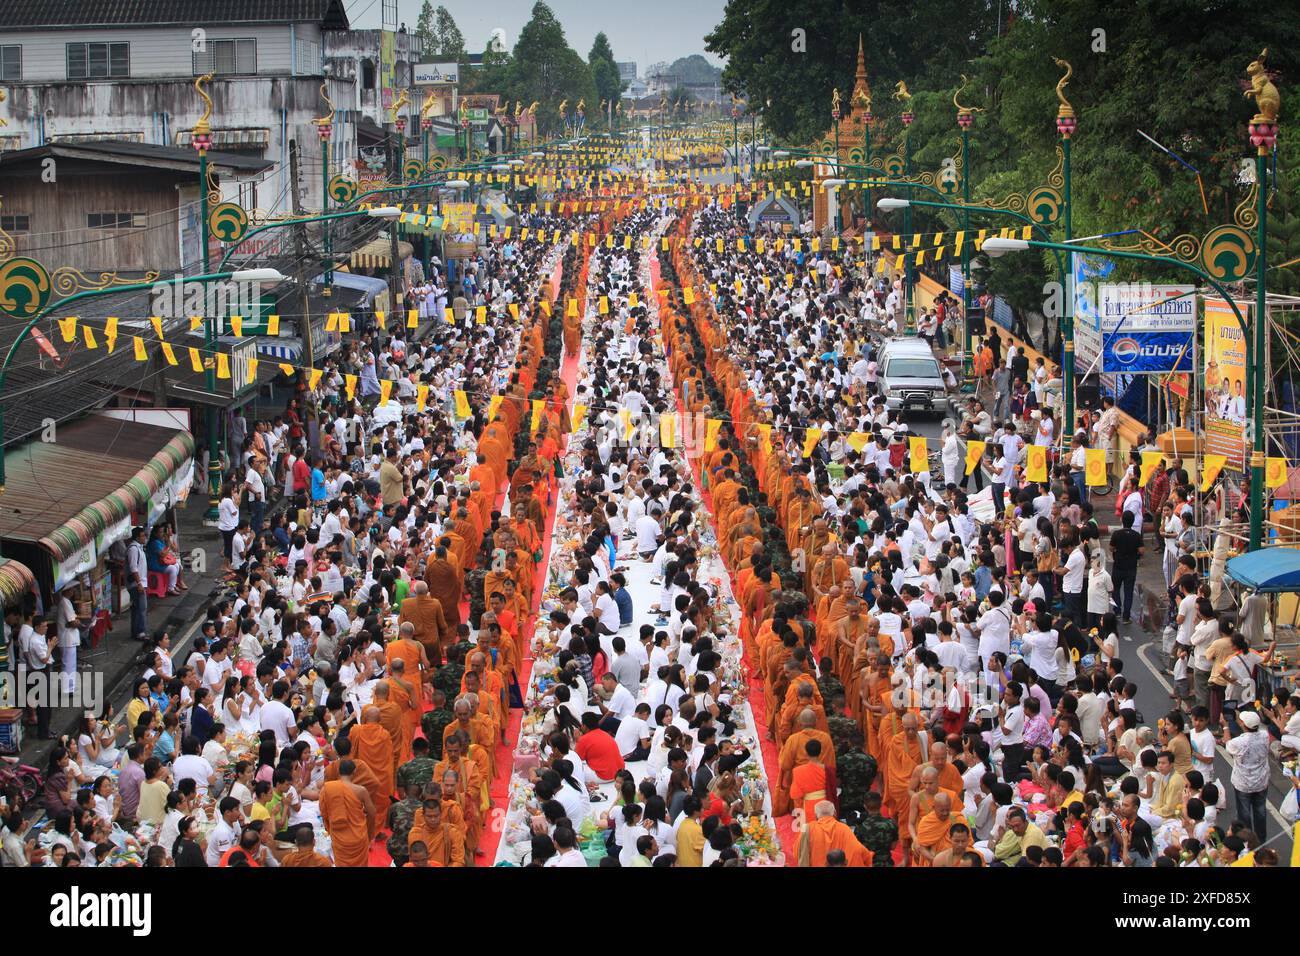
(435, 74)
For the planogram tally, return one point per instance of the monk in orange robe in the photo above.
(392, 717)
(932, 829)
(794, 755)
(409, 700)
(808, 781)
(445, 841)
(346, 809)
(470, 790)
(304, 853)
(826, 834)
(902, 756)
(373, 746)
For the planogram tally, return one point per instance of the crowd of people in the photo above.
(637, 567)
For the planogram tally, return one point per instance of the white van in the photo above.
(910, 377)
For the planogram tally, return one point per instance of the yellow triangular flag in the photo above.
(514, 311)
(313, 380)
(421, 397)
(332, 322)
(156, 322)
(571, 310)
(223, 365)
(196, 361)
(811, 437)
(450, 315)
(385, 390)
(1210, 471)
(169, 354)
(1150, 461)
(196, 323)
(381, 318)
(287, 369)
(462, 404)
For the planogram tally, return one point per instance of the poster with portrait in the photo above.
(1224, 395)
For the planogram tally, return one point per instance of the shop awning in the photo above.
(63, 494)
(1268, 570)
(376, 254)
(16, 580)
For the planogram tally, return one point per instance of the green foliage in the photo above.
(1172, 68)
(546, 69)
(442, 39)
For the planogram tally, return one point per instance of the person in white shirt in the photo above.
(1039, 646)
(1010, 733)
(648, 534)
(276, 715)
(994, 628)
(69, 628)
(1072, 584)
(633, 734)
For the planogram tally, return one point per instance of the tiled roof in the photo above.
(26, 14)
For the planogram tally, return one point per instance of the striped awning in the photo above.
(376, 254)
(16, 580)
(81, 528)
(287, 353)
(230, 138)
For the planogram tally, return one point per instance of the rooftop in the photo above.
(56, 14)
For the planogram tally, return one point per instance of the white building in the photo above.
(125, 69)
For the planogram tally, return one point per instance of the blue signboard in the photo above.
(1131, 353)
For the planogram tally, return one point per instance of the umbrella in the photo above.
(1269, 570)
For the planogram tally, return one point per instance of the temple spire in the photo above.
(861, 89)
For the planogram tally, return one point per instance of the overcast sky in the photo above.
(646, 31)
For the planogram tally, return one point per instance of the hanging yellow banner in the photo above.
(577, 416)
(1036, 463)
(919, 454)
(711, 426)
(1275, 471)
(385, 390)
(974, 452)
(1094, 469)
(539, 405)
(668, 431)
(494, 403)
(462, 404)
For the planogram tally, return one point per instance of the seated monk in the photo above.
(346, 810)
(304, 851)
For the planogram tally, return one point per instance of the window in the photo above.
(227, 58)
(11, 62)
(116, 220)
(308, 58)
(913, 368)
(98, 61)
(16, 223)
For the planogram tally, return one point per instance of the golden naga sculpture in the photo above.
(324, 120)
(564, 108)
(964, 109)
(201, 128)
(1262, 91)
(1065, 109)
(901, 93)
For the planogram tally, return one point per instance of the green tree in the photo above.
(546, 69)
(604, 71)
(426, 31)
(451, 42)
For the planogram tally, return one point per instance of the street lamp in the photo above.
(242, 275)
(1255, 349)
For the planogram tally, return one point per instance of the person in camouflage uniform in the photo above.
(877, 833)
(830, 686)
(435, 721)
(419, 769)
(401, 817)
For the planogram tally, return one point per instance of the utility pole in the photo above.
(300, 241)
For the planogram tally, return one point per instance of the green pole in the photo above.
(907, 230)
(1257, 371)
(210, 373)
(967, 346)
(1067, 319)
(325, 208)
(839, 207)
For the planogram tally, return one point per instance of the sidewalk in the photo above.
(119, 658)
